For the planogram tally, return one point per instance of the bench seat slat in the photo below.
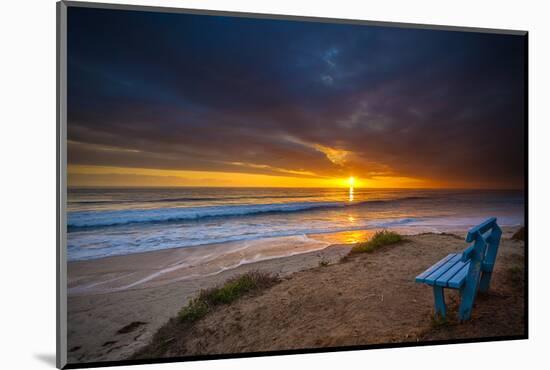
(456, 281)
(443, 280)
(430, 275)
(430, 280)
(420, 278)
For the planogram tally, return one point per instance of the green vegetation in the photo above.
(519, 235)
(379, 239)
(195, 309)
(234, 288)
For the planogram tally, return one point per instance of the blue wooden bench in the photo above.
(468, 271)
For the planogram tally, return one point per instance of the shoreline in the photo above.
(165, 266)
(154, 268)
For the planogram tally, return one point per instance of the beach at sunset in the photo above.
(240, 185)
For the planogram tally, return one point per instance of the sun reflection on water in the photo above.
(345, 237)
(353, 237)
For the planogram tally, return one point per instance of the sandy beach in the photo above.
(95, 316)
(367, 299)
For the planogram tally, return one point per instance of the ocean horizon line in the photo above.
(289, 187)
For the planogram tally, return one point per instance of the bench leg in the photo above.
(466, 304)
(439, 297)
(485, 281)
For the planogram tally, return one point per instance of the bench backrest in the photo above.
(486, 239)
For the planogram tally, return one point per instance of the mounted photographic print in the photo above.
(236, 184)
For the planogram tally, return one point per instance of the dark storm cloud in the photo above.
(192, 92)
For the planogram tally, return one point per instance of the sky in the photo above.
(160, 99)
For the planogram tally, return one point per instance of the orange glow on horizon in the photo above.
(100, 176)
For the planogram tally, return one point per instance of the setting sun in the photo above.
(351, 181)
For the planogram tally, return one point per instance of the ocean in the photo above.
(109, 222)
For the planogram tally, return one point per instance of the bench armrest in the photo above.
(467, 254)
